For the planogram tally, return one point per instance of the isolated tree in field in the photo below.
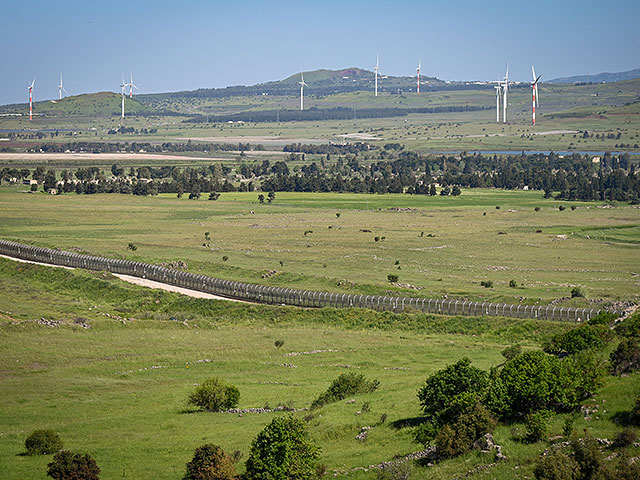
(261, 198)
(210, 462)
(215, 395)
(455, 191)
(73, 466)
(283, 450)
(271, 196)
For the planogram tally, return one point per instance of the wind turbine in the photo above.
(376, 70)
(498, 87)
(534, 88)
(123, 86)
(418, 70)
(131, 86)
(302, 85)
(31, 98)
(505, 89)
(61, 88)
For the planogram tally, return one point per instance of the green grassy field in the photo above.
(118, 390)
(442, 246)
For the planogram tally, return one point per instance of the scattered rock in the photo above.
(362, 436)
(312, 352)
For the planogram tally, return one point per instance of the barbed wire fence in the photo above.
(289, 296)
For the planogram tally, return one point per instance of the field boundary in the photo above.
(289, 296)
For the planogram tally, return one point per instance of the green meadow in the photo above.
(119, 389)
(438, 246)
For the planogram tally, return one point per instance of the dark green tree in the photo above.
(282, 451)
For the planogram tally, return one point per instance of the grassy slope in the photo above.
(97, 388)
(466, 248)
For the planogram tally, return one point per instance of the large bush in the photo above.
(43, 442)
(535, 381)
(210, 462)
(73, 466)
(629, 327)
(576, 340)
(215, 395)
(450, 390)
(283, 450)
(345, 385)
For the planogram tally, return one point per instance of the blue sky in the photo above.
(184, 45)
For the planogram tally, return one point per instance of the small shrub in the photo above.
(537, 424)
(345, 385)
(397, 262)
(210, 462)
(278, 343)
(225, 258)
(512, 352)
(625, 358)
(132, 247)
(587, 454)
(34, 187)
(383, 418)
(556, 465)
(392, 277)
(573, 207)
(626, 437)
(395, 471)
(425, 433)
(577, 292)
(459, 437)
(562, 208)
(513, 284)
(486, 283)
(337, 214)
(366, 407)
(567, 427)
(215, 395)
(281, 263)
(214, 196)
(43, 442)
(73, 466)
(497, 207)
(321, 470)
(537, 209)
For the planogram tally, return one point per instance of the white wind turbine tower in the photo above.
(376, 70)
(418, 70)
(505, 89)
(31, 98)
(302, 85)
(61, 88)
(123, 86)
(534, 88)
(498, 88)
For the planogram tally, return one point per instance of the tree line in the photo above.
(575, 177)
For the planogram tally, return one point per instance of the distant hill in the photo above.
(320, 82)
(600, 77)
(92, 104)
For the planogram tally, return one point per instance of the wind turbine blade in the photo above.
(534, 73)
(122, 77)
